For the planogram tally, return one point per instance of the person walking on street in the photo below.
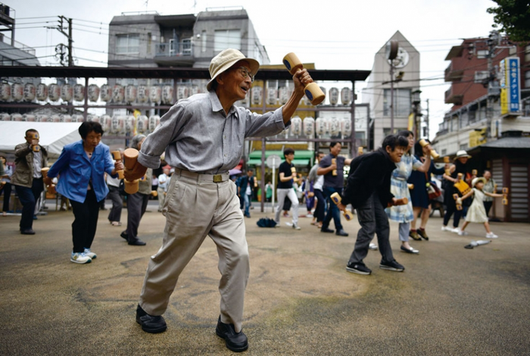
(490, 186)
(163, 183)
(5, 184)
(30, 159)
(137, 202)
(117, 202)
(203, 137)
(245, 188)
(460, 166)
(332, 168)
(81, 170)
(286, 176)
(318, 186)
(368, 191)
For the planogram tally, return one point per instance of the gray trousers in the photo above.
(373, 220)
(197, 207)
(117, 203)
(136, 206)
(282, 193)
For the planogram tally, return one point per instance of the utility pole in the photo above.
(493, 89)
(68, 35)
(427, 129)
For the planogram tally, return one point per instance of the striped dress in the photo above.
(399, 188)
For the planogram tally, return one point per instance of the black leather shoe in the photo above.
(27, 232)
(341, 233)
(124, 235)
(325, 229)
(136, 242)
(236, 342)
(151, 324)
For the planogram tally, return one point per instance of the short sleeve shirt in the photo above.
(331, 181)
(285, 168)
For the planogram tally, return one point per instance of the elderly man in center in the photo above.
(202, 137)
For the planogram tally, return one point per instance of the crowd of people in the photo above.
(198, 197)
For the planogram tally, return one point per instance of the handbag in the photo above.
(432, 189)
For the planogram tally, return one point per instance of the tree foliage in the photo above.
(513, 18)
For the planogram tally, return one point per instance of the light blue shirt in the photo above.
(198, 136)
(76, 170)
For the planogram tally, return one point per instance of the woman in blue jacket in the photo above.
(81, 169)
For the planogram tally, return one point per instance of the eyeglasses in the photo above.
(245, 72)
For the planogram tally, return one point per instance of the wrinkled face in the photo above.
(463, 160)
(335, 150)
(487, 174)
(236, 81)
(395, 155)
(92, 139)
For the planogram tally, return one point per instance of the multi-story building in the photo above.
(402, 87)
(490, 117)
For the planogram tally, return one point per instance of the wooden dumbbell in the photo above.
(410, 186)
(312, 90)
(117, 157)
(130, 157)
(446, 161)
(505, 197)
(335, 197)
(360, 150)
(334, 161)
(400, 201)
(434, 154)
(458, 205)
(34, 136)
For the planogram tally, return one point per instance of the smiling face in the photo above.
(235, 82)
(396, 153)
(335, 150)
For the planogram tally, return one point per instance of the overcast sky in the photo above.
(341, 34)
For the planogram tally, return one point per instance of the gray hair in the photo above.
(136, 140)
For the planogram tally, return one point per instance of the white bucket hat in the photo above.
(225, 60)
(462, 154)
(476, 180)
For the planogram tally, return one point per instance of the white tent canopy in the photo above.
(53, 135)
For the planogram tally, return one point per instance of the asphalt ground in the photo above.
(299, 301)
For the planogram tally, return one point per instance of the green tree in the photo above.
(513, 18)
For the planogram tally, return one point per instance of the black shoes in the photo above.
(236, 342)
(151, 324)
(415, 235)
(132, 242)
(136, 242)
(391, 266)
(423, 234)
(27, 232)
(341, 233)
(359, 268)
(325, 229)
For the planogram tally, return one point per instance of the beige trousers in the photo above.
(197, 207)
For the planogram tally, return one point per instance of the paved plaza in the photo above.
(299, 301)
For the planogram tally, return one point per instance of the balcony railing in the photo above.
(174, 49)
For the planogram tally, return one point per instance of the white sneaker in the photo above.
(296, 227)
(463, 233)
(90, 254)
(372, 246)
(446, 228)
(491, 235)
(289, 224)
(80, 257)
(455, 230)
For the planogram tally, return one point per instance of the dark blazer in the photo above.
(369, 173)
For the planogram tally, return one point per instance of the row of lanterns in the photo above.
(120, 94)
(321, 126)
(118, 125)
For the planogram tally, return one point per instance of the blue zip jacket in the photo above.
(76, 170)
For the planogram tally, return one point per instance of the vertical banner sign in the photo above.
(513, 84)
(504, 89)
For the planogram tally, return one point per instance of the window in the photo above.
(402, 104)
(227, 39)
(481, 75)
(203, 41)
(483, 53)
(126, 44)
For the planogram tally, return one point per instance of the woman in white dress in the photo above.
(476, 212)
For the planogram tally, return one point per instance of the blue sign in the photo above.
(513, 85)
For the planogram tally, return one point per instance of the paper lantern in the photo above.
(271, 96)
(296, 126)
(17, 92)
(29, 118)
(93, 92)
(130, 122)
(5, 117)
(182, 93)
(66, 118)
(42, 92)
(142, 94)
(346, 127)
(333, 96)
(17, 117)
(67, 92)
(118, 93)
(5, 92)
(130, 93)
(309, 126)
(141, 124)
(54, 92)
(29, 92)
(106, 122)
(319, 126)
(345, 96)
(78, 118)
(105, 93)
(155, 93)
(256, 95)
(79, 92)
(154, 121)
